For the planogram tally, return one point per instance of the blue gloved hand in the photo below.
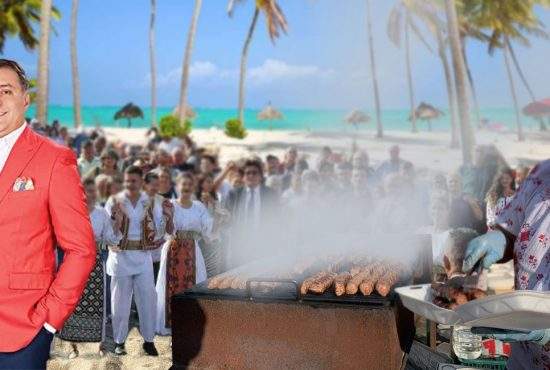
(489, 248)
(541, 337)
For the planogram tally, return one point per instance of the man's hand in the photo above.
(541, 337)
(489, 248)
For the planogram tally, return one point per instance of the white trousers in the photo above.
(142, 286)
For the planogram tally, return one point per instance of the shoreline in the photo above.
(427, 150)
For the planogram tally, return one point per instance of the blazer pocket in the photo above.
(29, 280)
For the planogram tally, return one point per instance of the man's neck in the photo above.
(133, 197)
(9, 132)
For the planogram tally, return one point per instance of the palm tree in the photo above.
(466, 134)
(187, 61)
(74, 67)
(17, 18)
(43, 62)
(506, 21)
(153, 65)
(396, 26)
(379, 128)
(275, 20)
(428, 12)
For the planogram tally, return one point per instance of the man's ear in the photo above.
(27, 98)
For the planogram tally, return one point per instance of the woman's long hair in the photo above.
(497, 190)
(200, 181)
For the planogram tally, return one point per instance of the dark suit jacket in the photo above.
(237, 197)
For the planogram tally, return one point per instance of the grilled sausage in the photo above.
(340, 282)
(320, 285)
(368, 283)
(307, 282)
(387, 281)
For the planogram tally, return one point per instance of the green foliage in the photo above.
(21, 18)
(234, 128)
(169, 126)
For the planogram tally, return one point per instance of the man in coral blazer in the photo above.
(41, 205)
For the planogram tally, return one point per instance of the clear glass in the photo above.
(466, 345)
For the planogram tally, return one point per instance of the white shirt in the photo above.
(133, 262)
(7, 142)
(257, 205)
(103, 227)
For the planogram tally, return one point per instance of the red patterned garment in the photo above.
(180, 270)
(527, 217)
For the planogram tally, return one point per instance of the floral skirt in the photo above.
(180, 270)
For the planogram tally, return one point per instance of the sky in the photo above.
(322, 63)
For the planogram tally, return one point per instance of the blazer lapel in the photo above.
(22, 152)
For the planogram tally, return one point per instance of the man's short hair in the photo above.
(15, 67)
(255, 163)
(150, 177)
(88, 181)
(210, 158)
(133, 170)
(271, 157)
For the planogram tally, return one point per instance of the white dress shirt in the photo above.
(133, 262)
(255, 217)
(6, 145)
(7, 142)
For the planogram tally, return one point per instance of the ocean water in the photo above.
(294, 119)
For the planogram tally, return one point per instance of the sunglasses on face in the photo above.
(252, 173)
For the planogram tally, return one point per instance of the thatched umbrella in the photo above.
(427, 112)
(357, 117)
(190, 113)
(269, 114)
(129, 111)
(538, 110)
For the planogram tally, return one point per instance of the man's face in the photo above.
(14, 101)
(179, 157)
(273, 166)
(252, 176)
(88, 151)
(91, 193)
(152, 187)
(394, 153)
(132, 182)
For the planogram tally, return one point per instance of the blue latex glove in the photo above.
(489, 248)
(541, 337)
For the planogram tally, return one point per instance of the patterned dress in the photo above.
(87, 323)
(182, 264)
(527, 217)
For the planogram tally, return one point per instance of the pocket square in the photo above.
(23, 184)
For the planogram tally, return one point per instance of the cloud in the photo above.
(275, 70)
(271, 70)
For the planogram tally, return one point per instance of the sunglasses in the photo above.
(251, 173)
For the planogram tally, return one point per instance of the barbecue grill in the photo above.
(277, 328)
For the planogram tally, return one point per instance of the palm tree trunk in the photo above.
(460, 83)
(471, 81)
(244, 58)
(379, 128)
(521, 137)
(409, 73)
(542, 125)
(43, 62)
(187, 62)
(74, 67)
(450, 89)
(152, 63)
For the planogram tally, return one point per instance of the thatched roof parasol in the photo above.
(426, 112)
(357, 117)
(129, 111)
(190, 113)
(269, 114)
(539, 108)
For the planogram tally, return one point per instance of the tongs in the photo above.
(469, 281)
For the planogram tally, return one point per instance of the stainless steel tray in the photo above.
(521, 310)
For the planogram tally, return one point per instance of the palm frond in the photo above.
(395, 25)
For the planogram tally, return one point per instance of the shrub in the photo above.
(169, 126)
(234, 128)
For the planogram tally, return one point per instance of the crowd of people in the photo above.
(167, 216)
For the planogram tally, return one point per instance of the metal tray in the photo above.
(521, 310)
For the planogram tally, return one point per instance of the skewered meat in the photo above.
(369, 282)
(385, 283)
(340, 282)
(320, 285)
(226, 282)
(353, 284)
(455, 249)
(309, 281)
(451, 297)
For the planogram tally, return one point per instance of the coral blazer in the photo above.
(32, 223)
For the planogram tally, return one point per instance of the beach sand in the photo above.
(426, 150)
(429, 150)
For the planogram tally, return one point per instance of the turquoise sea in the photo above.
(294, 119)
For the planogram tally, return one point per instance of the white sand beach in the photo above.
(427, 150)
